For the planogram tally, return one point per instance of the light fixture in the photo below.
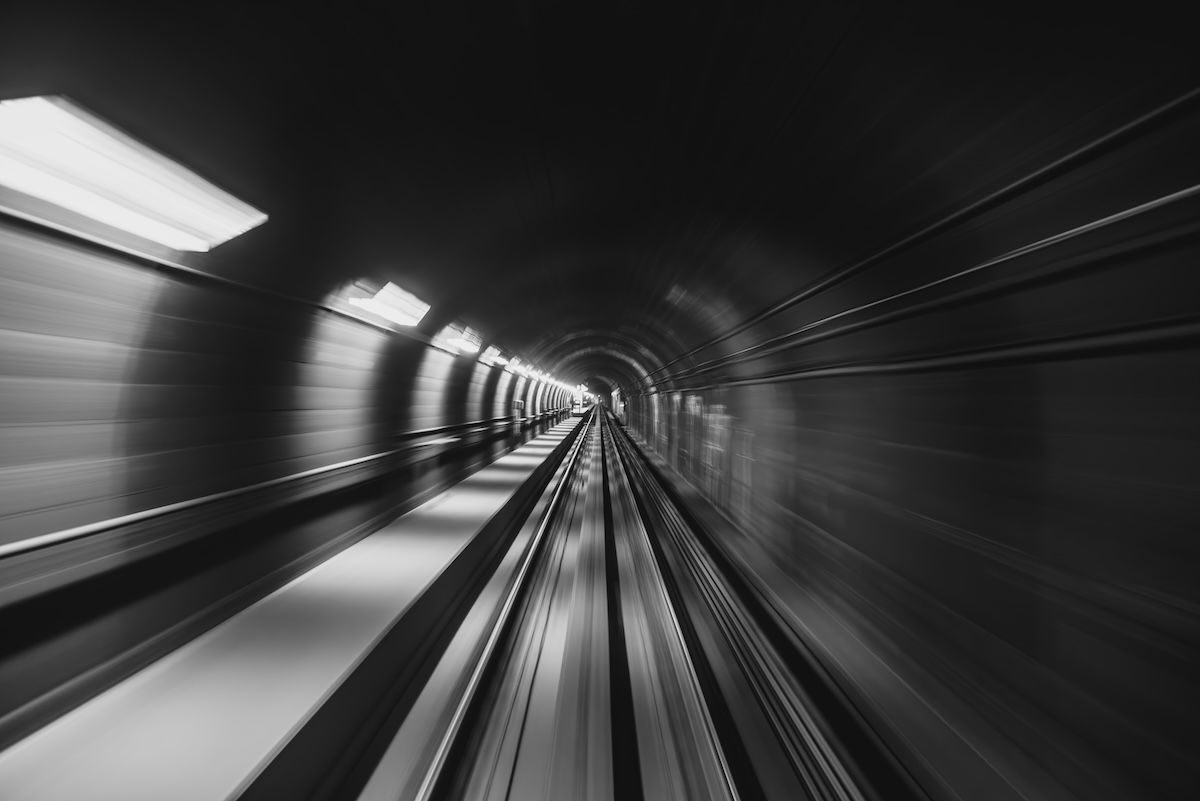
(54, 151)
(394, 304)
(491, 355)
(465, 341)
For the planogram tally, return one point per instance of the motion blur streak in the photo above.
(72, 323)
(335, 399)
(57, 152)
(756, 401)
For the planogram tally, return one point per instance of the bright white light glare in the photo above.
(55, 151)
(491, 355)
(393, 303)
(465, 341)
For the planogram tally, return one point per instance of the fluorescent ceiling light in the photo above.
(465, 341)
(492, 356)
(56, 152)
(457, 339)
(393, 303)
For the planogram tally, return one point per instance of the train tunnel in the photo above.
(624, 401)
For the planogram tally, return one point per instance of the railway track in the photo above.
(625, 664)
(556, 626)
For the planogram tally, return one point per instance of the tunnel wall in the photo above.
(974, 470)
(429, 390)
(73, 323)
(130, 386)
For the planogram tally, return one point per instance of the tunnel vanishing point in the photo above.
(615, 401)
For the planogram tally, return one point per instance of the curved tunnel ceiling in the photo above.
(652, 178)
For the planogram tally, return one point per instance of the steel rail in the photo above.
(430, 781)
